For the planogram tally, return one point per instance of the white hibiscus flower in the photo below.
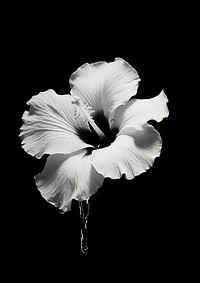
(92, 133)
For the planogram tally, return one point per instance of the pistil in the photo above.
(85, 112)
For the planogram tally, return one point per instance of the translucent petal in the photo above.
(50, 126)
(68, 176)
(130, 154)
(138, 111)
(104, 85)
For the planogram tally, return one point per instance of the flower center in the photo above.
(99, 134)
(84, 112)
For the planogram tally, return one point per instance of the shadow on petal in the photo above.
(147, 137)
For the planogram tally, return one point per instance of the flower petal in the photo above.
(129, 154)
(68, 176)
(50, 126)
(105, 86)
(138, 111)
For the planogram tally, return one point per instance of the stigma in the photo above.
(84, 112)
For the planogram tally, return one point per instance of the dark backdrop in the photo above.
(139, 219)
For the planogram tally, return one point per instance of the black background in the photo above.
(139, 222)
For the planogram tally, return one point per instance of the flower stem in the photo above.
(84, 213)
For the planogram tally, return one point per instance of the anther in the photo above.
(84, 113)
